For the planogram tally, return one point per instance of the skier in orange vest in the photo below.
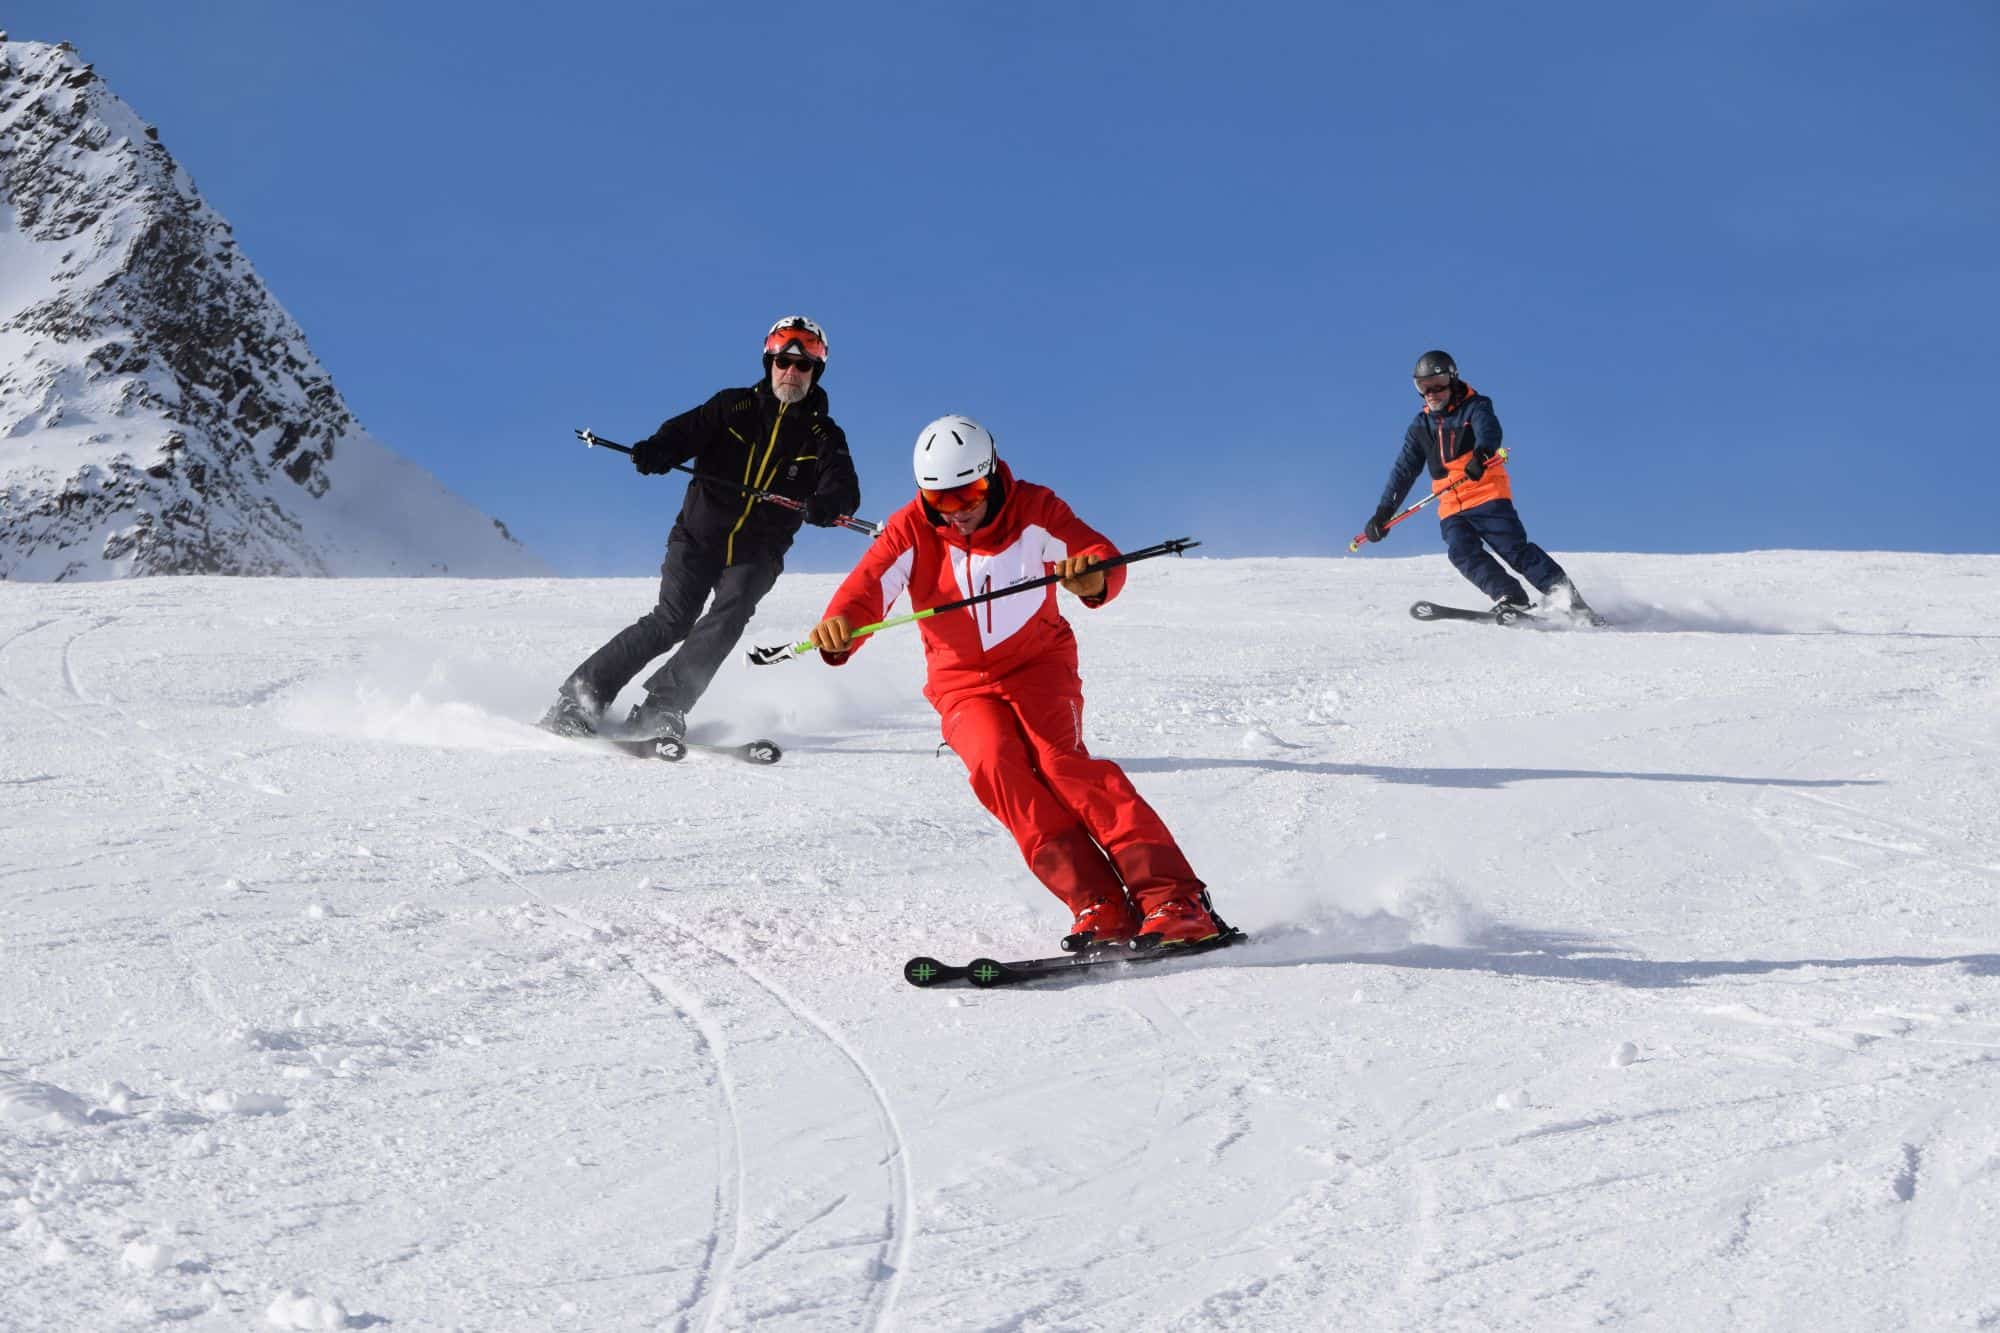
(1456, 438)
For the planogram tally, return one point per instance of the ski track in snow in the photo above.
(892, 1152)
(708, 1298)
(729, 1245)
(1655, 983)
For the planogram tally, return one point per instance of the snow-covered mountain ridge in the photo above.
(160, 411)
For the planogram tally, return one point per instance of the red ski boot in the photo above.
(1106, 921)
(1178, 921)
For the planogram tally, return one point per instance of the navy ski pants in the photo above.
(687, 576)
(1497, 524)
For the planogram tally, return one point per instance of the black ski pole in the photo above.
(860, 525)
(786, 651)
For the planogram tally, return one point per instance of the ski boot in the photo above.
(568, 717)
(1106, 921)
(1178, 921)
(653, 718)
(1578, 608)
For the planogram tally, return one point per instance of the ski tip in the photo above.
(923, 972)
(762, 752)
(985, 972)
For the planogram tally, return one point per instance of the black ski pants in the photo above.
(1497, 524)
(687, 577)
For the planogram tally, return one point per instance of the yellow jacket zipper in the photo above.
(755, 474)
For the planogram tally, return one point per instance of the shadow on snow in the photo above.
(1559, 956)
(1472, 777)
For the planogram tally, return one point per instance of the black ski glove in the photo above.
(1376, 531)
(819, 511)
(1475, 465)
(651, 458)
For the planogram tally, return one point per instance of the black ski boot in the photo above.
(653, 718)
(1578, 608)
(568, 717)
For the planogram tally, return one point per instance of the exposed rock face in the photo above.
(160, 412)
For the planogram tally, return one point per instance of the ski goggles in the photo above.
(959, 498)
(803, 341)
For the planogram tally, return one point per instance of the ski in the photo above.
(1508, 615)
(985, 973)
(674, 750)
(1501, 616)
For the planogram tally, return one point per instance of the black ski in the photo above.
(1508, 615)
(673, 750)
(1501, 616)
(988, 972)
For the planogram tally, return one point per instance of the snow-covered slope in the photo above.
(1646, 978)
(160, 412)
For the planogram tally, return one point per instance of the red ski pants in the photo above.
(1083, 829)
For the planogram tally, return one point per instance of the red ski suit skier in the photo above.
(1003, 678)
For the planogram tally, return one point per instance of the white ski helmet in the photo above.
(952, 451)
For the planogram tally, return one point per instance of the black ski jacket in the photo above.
(748, 436)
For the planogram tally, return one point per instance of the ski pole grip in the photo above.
(599, 442)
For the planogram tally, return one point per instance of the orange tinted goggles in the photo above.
(959, 498)
(808, 343)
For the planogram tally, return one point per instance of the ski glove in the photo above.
(1376, 531)
(819, 511)
(1475, 466)
(1082, 581)
(651, 458)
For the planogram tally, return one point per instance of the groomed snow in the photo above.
(1646, 977)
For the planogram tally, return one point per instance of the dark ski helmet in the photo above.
(1434, 363)
(800, 336)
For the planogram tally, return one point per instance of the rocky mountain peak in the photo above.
(160, 411)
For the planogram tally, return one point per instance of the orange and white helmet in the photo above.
(796, 334)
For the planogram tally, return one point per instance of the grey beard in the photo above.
(790, 396)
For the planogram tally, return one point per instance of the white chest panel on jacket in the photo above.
(1022, 561)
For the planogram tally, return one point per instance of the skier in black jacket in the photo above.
(775, 436)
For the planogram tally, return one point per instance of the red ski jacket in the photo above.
(977, 646)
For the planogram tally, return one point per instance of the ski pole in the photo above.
(860, 525)
(786, 651)
(1355, 545)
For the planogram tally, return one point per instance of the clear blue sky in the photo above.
(1728, 270)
